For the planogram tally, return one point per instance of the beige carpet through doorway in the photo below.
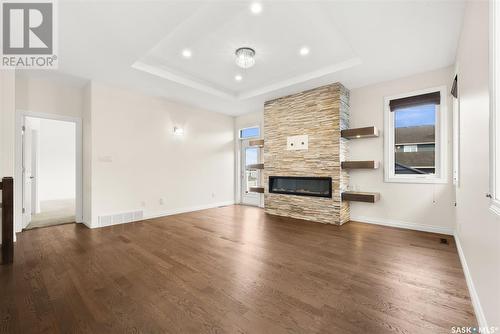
(53, 212)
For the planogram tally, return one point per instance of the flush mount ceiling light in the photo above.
(238, 77)
(186, 53)
(256, 7)
(245, 57)
(304, 51)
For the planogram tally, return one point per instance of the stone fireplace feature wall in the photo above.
(321, 114)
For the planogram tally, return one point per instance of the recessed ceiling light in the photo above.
(256, 7)
(186, 53)
(238, 77)
(304, 51)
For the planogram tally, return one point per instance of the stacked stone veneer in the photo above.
(321, 114)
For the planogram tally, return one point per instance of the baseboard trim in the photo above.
(402, 224)
(86, 224)
(165, 213)
(187, 209)
(476, 304)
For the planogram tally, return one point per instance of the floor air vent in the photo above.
(120, 218)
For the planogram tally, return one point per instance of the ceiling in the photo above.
(139, 44)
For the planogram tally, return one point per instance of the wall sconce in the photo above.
(178, 131)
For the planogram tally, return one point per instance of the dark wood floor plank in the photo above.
(233, 270)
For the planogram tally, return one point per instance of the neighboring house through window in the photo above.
(407, 148)
(414, 139)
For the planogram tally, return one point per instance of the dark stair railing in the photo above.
(7, 187)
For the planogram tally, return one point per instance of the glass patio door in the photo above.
(249, 177)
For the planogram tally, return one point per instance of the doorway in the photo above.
(49, 166)
(250, 174)
(250, 177)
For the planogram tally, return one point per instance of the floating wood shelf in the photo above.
(255, 166)
(256, 142)
(366, 132)
(369, 164)
(357, 196)
(259, 190)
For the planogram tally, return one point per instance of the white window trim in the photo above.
(239, 159)
(249, 127)
(456, 132)
(441, 141)
(494, 112)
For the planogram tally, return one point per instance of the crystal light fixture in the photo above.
(245, 57)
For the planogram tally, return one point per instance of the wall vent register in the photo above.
(301, 186)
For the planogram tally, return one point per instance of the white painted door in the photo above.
(27, 173)
(249, 177)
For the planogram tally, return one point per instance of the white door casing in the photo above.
(27, 173)
(18, 164)
(35, 202)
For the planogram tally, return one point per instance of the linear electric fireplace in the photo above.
(301, 186)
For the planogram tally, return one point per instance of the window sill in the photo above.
(417, 180)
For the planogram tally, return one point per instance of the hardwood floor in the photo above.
(233, 270)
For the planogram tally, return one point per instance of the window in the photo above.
(250, 132)
(415, 145)
(249, 166)
(495, 107)
(251, 178)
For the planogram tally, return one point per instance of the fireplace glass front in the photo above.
(301, 186)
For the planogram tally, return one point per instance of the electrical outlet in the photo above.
(213, 195)
(162, 201)
(294, 143)
(143, 204)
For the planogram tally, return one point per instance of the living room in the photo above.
(251, 166)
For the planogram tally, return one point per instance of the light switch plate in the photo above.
(294, 143)
(105, 158)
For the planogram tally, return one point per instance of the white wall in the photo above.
(478, 229)
(7, 108)
(137, 161)
(425, 206)
(57, 160)
(59, 95)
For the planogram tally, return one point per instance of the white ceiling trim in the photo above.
(183, 80)
(163, 73)
(302, 78)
